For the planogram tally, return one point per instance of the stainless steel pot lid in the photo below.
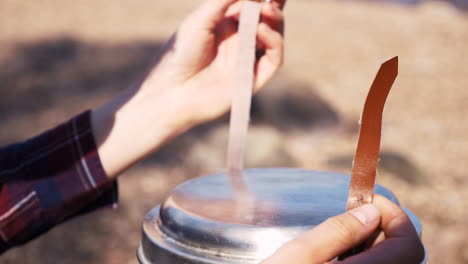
(202, 221)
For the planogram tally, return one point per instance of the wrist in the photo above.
(137, 123)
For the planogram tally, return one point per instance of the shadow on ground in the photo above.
(35, 75)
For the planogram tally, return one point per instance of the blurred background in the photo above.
(58, 58)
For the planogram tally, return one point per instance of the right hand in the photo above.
(398, 241)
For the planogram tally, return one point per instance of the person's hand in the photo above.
(198, 64)
(191, 82)
(397, 242)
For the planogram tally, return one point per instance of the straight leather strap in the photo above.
(361, 189)
(242, 95)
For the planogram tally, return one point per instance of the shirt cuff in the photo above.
(50, 178)
(83, 186)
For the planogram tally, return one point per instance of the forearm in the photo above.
(138, 122)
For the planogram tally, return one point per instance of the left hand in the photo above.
(190, 82)
(199, 62)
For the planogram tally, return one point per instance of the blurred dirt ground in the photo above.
(58, 58)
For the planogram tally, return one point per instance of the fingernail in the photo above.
(366, 214)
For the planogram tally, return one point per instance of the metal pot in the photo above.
(202, 221)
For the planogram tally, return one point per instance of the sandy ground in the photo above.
(58, 58)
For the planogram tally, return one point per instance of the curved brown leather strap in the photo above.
(361, 189)
(242, 95)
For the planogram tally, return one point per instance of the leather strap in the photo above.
(242, 95)
(361, 189)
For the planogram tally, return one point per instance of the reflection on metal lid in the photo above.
(203, 222)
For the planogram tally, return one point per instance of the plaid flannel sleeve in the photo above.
(50, 178)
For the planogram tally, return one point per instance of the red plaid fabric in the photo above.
(50, 178)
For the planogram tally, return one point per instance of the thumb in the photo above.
(331, 238)
(209, 14)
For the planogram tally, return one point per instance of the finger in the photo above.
(270, 14)
(225, 29)
(273, 16)
(402, 243)
(329, 239)
(379, 238)
(271, 43)
(279, 3)
(271, 40)
(209, 14)
(234, 10)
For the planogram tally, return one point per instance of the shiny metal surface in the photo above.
(202, 222)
